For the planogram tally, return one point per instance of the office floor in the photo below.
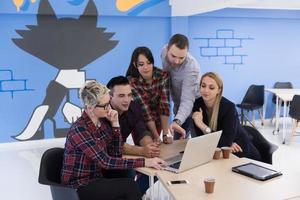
(19, 164)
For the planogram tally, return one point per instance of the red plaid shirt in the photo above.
(89, 149)
(154, 98)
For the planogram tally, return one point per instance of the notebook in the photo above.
(198, 150)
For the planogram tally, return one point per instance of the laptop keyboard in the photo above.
(175, 165)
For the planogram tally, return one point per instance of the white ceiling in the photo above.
(192, 7)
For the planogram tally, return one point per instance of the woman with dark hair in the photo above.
(213, 112)
(150, 86)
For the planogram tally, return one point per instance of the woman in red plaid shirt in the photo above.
(150, 87)
(94, 143)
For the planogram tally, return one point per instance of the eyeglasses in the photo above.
(105, 106)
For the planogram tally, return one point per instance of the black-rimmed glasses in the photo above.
(105, 106)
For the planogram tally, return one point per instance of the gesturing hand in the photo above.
(175, 127)
(198, 116)
(236, 148)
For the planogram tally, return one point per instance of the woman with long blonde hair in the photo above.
(213, 112)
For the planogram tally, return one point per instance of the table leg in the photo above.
(284, 122)
(277, 113)
(151, 187)
(158, 189)
(264, 109)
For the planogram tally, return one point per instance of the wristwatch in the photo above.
(207, 130)
(177, 121)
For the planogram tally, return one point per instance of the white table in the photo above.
(166, 151)
(284, 95)
(230, 185)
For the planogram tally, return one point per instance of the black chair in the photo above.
(253, 100)
(280, 85)
(265, 148)
(50, 172)
(295, 112)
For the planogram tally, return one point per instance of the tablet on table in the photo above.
(256, 171)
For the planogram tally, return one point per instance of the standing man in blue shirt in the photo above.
(184, 71)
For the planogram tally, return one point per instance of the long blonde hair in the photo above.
(213, 123)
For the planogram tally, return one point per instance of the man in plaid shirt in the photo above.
(94, 143)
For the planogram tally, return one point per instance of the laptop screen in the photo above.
(198, 150)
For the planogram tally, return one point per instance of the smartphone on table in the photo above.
(178, 182)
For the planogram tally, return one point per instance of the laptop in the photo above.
(198, 150)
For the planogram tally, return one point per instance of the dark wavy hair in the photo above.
(132, 68)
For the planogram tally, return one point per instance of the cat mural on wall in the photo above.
(67, 44)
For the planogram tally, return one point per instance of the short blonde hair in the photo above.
(91, 91)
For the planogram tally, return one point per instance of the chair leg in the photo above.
(242, 116)
(294, 126)
(274, 112)
(261, 117)
(253, 116)
(247, 119)
(273, 116)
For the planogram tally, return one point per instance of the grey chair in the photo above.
(265, 148)
(295, 112)
(50, 171)
(280, 85)
(253, 100)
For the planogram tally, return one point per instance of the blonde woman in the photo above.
(213, 112)
(94, 143)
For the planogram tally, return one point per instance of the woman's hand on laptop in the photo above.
(155, 163)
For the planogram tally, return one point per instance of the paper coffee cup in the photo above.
(226, 152)
(217, 154)
(209, 184)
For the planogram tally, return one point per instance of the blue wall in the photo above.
(244, 46)
(270, 45)
(24, 78)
